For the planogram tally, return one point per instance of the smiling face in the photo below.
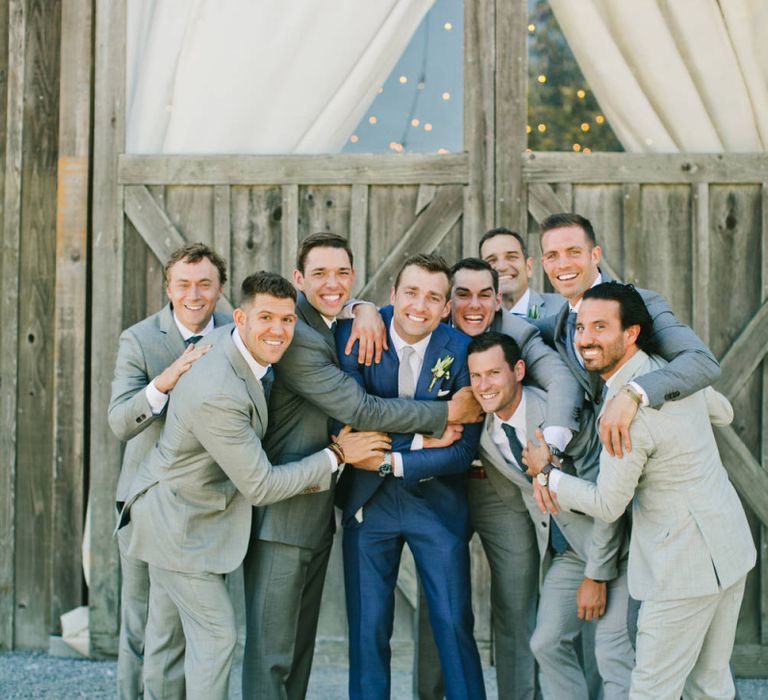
(473, 301)
(193, 289)
(326, 280)
(420, 301)
(602, 342)
(496, 386)
(505, 255)
(570, 261)
(266, 324)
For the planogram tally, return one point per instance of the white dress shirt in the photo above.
(521, 306)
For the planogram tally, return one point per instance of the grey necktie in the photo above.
(406, 385)
(571, 326)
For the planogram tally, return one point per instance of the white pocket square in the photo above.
(443, 392)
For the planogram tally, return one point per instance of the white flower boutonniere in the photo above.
(440, 370)
(533, 312)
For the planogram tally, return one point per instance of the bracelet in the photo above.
(633, 393)
(338, 452)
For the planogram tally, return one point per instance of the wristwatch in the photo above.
(543, 476)
(385, 468)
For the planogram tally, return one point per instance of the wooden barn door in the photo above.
(695, 228)
(255, 209)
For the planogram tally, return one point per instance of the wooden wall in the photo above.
(694, 228)
(42, 312)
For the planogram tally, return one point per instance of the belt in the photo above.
(477, 473)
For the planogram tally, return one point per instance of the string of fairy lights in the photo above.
(419, 108)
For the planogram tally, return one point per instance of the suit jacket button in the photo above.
(543, 524)
(140, 419)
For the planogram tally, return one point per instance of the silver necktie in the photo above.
(405, 381)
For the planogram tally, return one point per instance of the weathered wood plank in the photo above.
(644, 168)
(426, 195)
(543, 201)
(603, 205)
(289, 244)
(324, 208)
(70, 307)
(746, 353)
(106, 318)
(425, 235)
(511, 68)
(190, 209)
(750, 660)
(633, 231)
(37, 277)
(9, 314)
(256, 216)
(763, 539)
(479, 119)
(222, 228)
(749, 478)
(358, 233)
(337, 169)
(701, 261)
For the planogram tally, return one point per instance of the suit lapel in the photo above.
(252, 385)
(435, 351)
(312, 317)
(534, 414)
(567, 351)
(172, 339)
(493, 454)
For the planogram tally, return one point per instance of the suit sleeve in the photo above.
(311, 372)
(443, 461)
(223, 427)
(546, 370)
(129, 411)
(692, 366)
(608, 498)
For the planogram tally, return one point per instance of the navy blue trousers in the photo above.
(372, 552)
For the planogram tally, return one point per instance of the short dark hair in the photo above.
(265, 283)
(426, 261)
(564, 219)
(478, 265)
(322, 239)
(632, 310)
(502, 231)
(486, 341)
(193, 253)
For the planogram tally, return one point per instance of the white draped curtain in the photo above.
(675, 75)
(258, 76)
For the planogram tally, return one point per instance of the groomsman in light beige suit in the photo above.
(190, 504)
(691, 546)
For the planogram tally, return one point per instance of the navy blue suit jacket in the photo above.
(436, 474)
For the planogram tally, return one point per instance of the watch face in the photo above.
(542, 478)
(385, 468)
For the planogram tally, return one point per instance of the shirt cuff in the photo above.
(335, 466)
(557, 436)
(418, 442)
(156, 398)
(645, 401)
(397, 464)
(348, 310)
(554, 479)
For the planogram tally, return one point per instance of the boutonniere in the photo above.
(533, 312)
(440, 370)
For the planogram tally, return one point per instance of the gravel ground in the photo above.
(38, 675)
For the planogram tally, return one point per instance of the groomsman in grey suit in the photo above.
(505, 251)
(571, 258)
(515, 414)
(191, 502)
(290, 543)
(691, 545)
(152, 355)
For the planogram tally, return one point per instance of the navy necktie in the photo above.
(514, 444)
(266, 382)
(333, 326)
(192, 340)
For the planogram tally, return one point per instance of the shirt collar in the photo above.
(598, 280)
(517, 420)
(521, 307)
(258, 370)
(420, 347)
(186, 333)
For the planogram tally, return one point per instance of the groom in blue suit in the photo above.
(417, 495)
